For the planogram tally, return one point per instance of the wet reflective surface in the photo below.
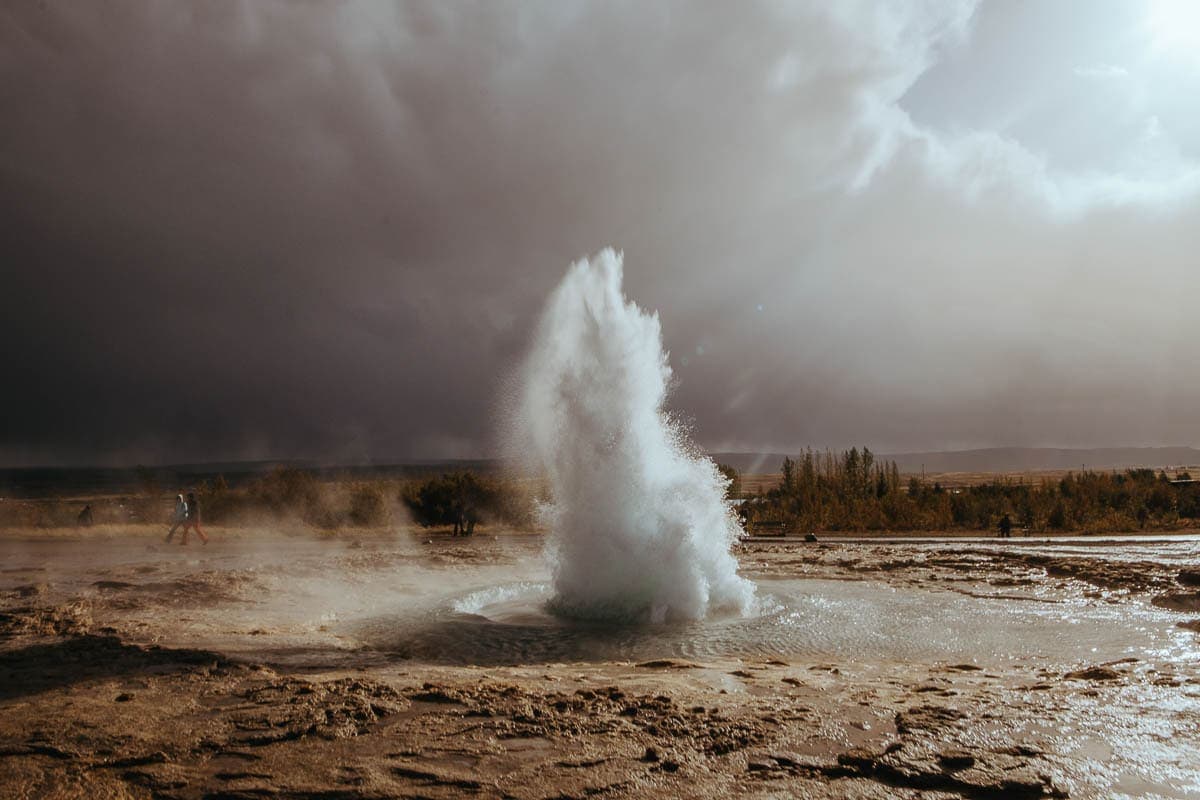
(861, 621)
(485, 602)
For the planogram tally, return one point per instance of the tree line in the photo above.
(854, 491)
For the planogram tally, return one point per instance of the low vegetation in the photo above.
(463, 499)
(297, 496)
(853, 491)
(847, 491)
(288, 496)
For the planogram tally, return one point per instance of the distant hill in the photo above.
(751, 463)
(1020, 459)
(1000, 459)
(46, 481)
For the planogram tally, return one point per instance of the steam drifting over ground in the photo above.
(640, 526)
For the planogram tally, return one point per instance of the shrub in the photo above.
(463, 500)
(368, 507)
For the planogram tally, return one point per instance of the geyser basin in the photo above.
(858, 621)
(283, 599)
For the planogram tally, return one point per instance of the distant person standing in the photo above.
(193, 519)
(84, 520)
(1005, 527)
(180, 517)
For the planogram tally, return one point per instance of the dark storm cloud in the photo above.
(324, 230)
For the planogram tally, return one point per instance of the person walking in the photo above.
(193, 519)
(1005, 526)
(180, 517)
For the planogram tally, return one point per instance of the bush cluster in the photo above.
(463, 500)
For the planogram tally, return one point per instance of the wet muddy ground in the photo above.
(409, 665)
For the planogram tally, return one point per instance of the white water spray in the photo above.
(640, 528)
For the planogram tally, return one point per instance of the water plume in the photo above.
(640, 526)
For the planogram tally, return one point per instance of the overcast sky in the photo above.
(324, 230)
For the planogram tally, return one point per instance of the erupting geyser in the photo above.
(640, 527)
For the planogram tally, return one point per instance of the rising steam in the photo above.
(640, 528)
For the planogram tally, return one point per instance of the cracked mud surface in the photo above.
(138, 672)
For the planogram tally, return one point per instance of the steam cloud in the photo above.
(640, 526)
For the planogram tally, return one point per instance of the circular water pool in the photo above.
(856, 620)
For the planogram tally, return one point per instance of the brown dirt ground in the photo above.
(89, 711)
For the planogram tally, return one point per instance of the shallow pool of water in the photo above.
(849, 620)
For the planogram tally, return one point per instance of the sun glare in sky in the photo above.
(1175, 26)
